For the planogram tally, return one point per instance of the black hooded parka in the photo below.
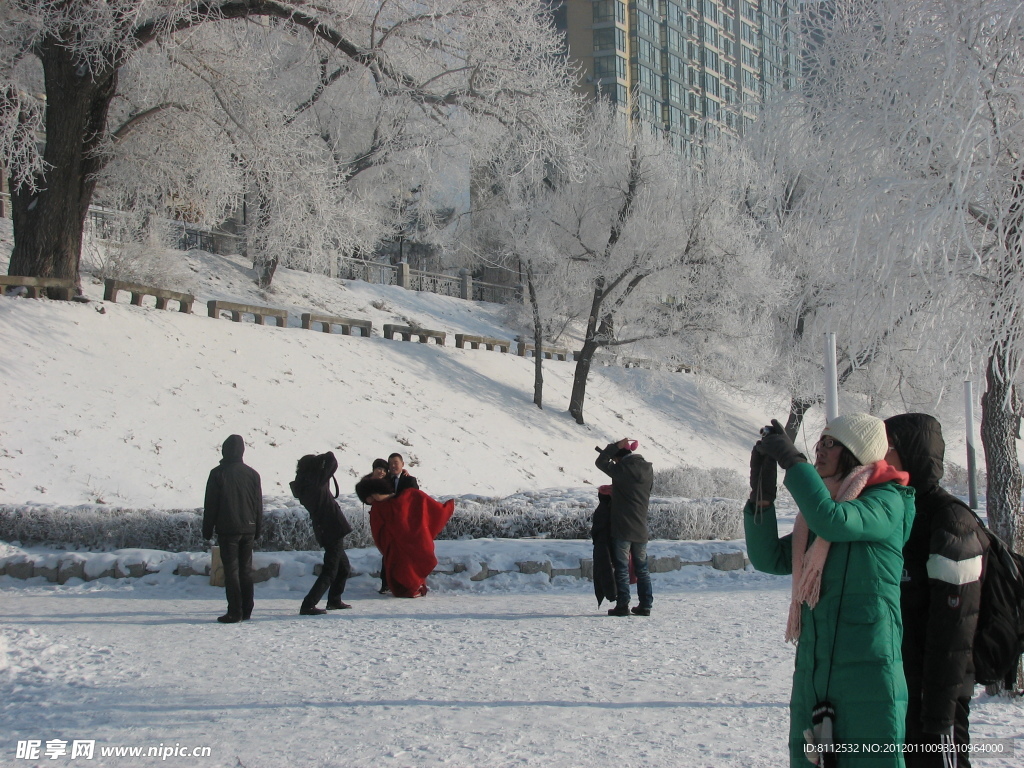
(940, 590)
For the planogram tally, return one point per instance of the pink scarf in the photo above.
(808, 564)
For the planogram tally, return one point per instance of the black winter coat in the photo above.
(941, 586)
(632, 479)
(368, 485)
(313, 490)
(604, 569)
(234, 495)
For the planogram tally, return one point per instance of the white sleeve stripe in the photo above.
(954, 571)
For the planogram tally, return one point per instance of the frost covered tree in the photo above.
(319, 111)
(888, 351)
(654, 250)
(926, 98)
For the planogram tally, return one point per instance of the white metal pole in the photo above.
(831, 379)
(972, 466)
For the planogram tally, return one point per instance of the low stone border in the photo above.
(59, 568)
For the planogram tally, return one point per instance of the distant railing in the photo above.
(374, 272)
(111, 225)
(445, 285)
(497, 294)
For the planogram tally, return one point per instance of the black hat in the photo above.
(380, 464)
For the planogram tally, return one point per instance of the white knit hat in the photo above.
(862, 433)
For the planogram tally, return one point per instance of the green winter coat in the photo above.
(856, 622)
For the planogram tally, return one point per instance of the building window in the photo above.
(676, 91)
(711, 60)
(609, 68)
(711, 10)
(710, 35)
(648, 107)
(609, 10)
(747, 10)
(676, 14)
(675, 40)
(647, 25)
(614, 92)
(711, 108)
(647, 51)
(648, 79)
(609, 38)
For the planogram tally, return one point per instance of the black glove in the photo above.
(764, 477)
(777, 445)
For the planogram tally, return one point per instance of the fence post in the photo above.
(403, 275)
(466, 288)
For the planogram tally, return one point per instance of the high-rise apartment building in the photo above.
(685, 67)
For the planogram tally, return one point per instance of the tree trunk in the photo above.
(264, 263)
(48, 222)
(798, 408)
(999, 426)
(538, 340)
(586, 355)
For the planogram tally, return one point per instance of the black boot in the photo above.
(311, 610)
(337, 605)
(229, 618)
(622, 609)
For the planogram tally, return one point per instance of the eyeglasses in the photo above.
(828, 443)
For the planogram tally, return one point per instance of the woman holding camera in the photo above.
(849, 695)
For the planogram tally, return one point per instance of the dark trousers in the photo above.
(961, 735)
(236, 554)
(621, 550)
(333, 574)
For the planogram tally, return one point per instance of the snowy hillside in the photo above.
(126, 405)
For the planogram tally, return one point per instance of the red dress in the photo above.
(404, 529)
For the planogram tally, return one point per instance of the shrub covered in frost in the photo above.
(100, 528)
(700, 483)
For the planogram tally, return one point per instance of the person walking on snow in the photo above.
(233, 507)
(849, 699)
(632, 478)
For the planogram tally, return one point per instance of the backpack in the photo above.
(999, 637)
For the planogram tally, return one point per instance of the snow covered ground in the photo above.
(512, 671)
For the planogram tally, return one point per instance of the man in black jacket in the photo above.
(632, 479)
(940, 597)
(311, 487)
(234, 509)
